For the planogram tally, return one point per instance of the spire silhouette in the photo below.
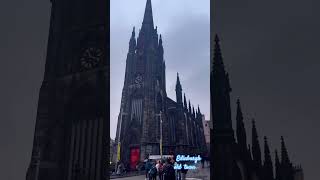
(256, 151)
(217, 60)
(241, 131)
(277, 166)
(220, 94)
(133, 35)
(178, 91)
(249, 152)
(185, 101)
(160, 47)
(147, 34)
(193, 112)
(132, 43)
(189, 107)
(160, 41)
(148, 17)
(267, 165)
(284, 153)
(178, 84)
(199, 109)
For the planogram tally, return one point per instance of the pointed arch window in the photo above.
(137, 109)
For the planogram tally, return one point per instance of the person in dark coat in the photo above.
(183, 173)
(153, 172)
(160, 169)
(202, 162)
(168, 171)
(147, 168)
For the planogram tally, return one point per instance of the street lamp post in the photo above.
(161, 134)
(118, 140)
(160, 141)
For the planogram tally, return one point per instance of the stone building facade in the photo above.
(234, 159)
(207, 125)
(146, 112)
(72, 124)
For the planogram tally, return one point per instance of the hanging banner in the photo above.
(118, 152)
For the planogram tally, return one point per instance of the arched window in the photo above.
(136, 109)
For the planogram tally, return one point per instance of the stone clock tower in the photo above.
(71, 131)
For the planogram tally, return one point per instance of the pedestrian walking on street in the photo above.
(202, 162)
(183, 173)
(147, 168)
(153, 172)
(160, 169)
(168, 171)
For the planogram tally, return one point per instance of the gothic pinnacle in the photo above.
(284, 153)
(277, 166)
(256, 151)
(148, 17)
(179, 91)
(178, 84)
(267, 156)
(160, 40)
(217, 59)
(160, 46)
(249, 151)
(241, 131)
(132, 43)
(267, 165)
(133, 33)
(185, 101)
(193, 112)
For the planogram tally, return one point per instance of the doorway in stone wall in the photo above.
(134, 157)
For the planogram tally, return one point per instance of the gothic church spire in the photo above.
(148, 17)
(132, 43)
(277, 166)
(220, 93)
(241, 131)
(178, 91)
(267, 164)
(193, 112)
(256, 151)
(284, 153)
(185, 101)
(217, 52)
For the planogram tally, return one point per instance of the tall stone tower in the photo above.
(144, 94)
(222, 133)
(71, 134)
(233, 160)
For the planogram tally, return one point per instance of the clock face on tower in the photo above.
(138, 80)
(90, 57)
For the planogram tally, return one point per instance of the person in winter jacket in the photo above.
(147, 168)
(168, 171)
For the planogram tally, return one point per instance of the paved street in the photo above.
(143, 178)
(133, 178)
(198, 174)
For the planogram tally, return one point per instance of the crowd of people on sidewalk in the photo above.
(164, 170)
(158, 169)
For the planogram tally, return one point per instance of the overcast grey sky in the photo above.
(185, 28)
